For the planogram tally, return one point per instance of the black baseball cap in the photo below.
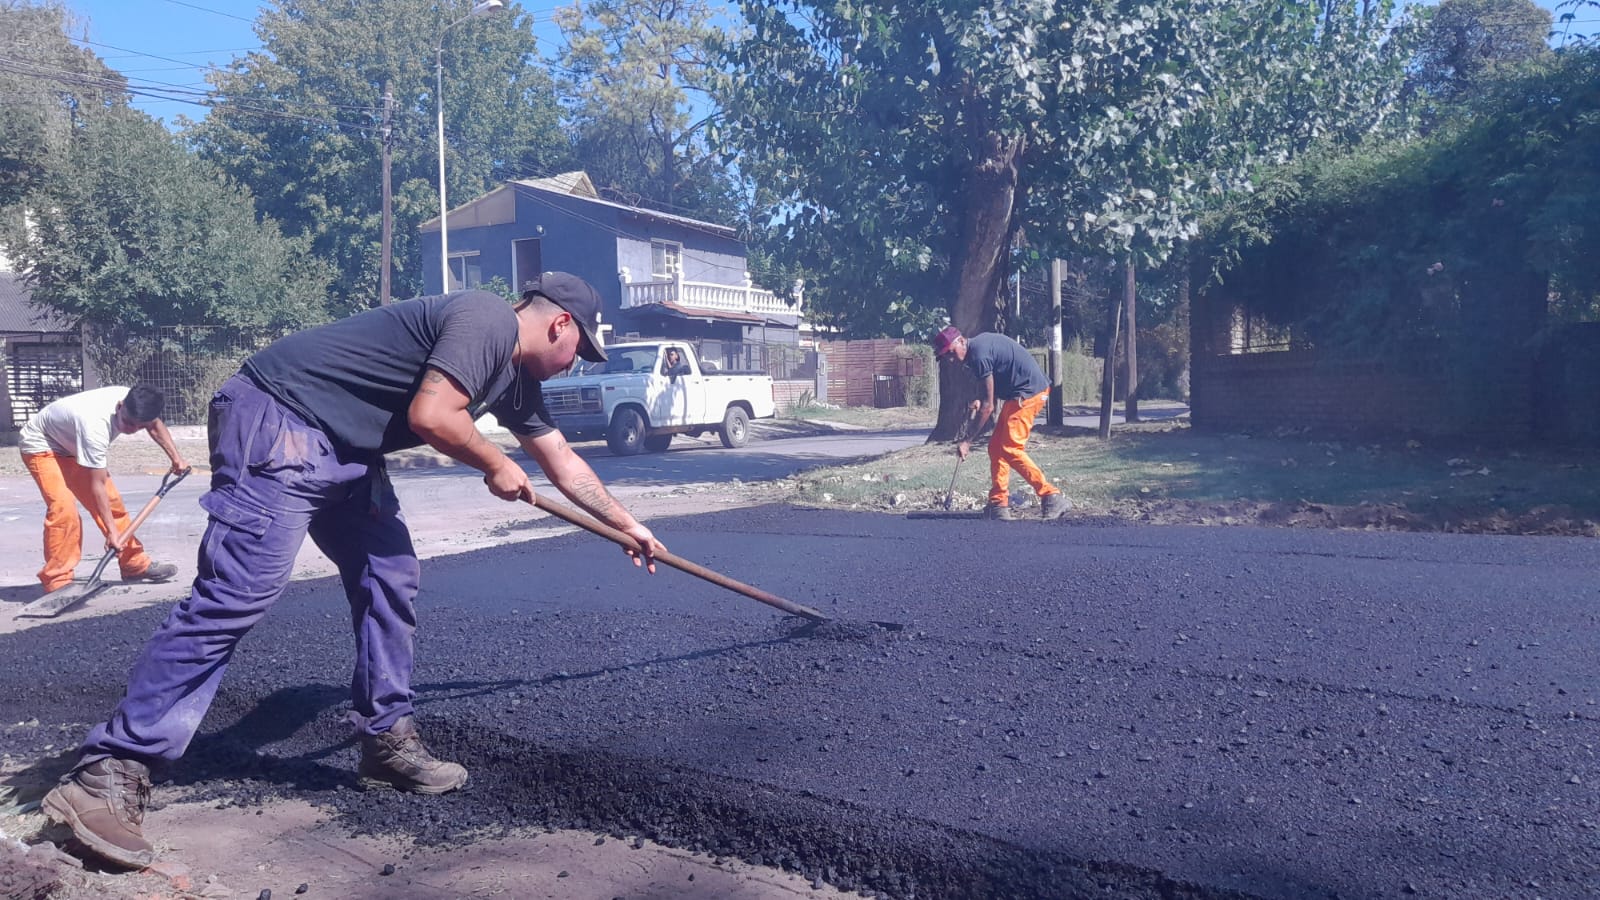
(579, 298)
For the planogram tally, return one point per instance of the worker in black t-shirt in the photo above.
(1008, 373)
(298, 439)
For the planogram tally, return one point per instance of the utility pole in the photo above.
(1108, 376)
(387, 257)
(1054, 413)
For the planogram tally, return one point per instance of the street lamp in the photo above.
(484, 8)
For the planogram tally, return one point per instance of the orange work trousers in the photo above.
(1006, 451)
(64, 484)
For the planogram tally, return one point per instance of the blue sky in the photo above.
(169, 43)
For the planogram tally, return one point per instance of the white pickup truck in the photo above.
(637, 401)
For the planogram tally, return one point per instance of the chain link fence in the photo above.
(187, 363)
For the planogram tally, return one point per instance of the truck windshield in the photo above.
(633, 359)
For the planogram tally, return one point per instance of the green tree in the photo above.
(47, 84)
(1446, 253)
(907, 145)
(1467, 42)
(296, 122)
(635, 73)
(136, 231)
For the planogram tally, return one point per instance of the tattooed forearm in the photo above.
(588, 491)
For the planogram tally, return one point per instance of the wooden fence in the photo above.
(868, 373)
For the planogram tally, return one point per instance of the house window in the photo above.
(465, 271)
(665, 257)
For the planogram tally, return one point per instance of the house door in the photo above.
(526, 262)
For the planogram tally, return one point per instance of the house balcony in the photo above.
(731, 298)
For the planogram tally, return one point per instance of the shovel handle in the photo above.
(168, 482)
(677, 562)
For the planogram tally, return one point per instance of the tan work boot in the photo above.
(397, 759)
(1054, 506)
(156, 572)
(103, 804)
(997, 511)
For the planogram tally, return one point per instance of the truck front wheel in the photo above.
(625, 437)
(735, 431)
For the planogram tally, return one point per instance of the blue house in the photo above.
(660, 275)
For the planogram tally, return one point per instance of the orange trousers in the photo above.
(1006, 451)
(64, 484)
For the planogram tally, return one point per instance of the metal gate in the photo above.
(40, 373)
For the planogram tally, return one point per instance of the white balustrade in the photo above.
(745, 298)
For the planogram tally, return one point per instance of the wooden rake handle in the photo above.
(677, 562)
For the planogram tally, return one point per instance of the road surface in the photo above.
(1070, 710)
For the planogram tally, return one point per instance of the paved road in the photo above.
(1288, 713)
(447, 507)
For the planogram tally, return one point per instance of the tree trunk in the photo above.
(989, 205)
(1182, 317)
(1130, 406)
(1108, 377)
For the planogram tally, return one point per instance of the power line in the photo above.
(215, 12)
(170, 93)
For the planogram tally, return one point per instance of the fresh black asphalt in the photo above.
(1074, 709)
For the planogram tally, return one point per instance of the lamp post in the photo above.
(484, 8)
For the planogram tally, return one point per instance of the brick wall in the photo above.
(1482, 392)
(787, 392)
(1297, 389)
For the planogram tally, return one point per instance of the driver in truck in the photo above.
(672, 364)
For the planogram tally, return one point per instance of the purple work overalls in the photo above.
(274, 478)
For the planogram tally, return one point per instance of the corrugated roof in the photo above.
(694, 312)
(577, 184)
(18, 315)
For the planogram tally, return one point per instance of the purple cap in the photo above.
(944, 340)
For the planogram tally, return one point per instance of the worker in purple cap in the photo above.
(298, 439)
(1008, 373)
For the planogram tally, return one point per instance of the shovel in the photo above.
(62, 599)
(677, 562)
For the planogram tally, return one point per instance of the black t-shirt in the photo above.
(1016, 375)
(355, 378)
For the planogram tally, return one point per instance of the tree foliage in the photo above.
(886, 131)
(297, 123)
(1408, 248)
(906, 145)
(129, 228)
(634, 74)
(1469, 42)
(47, 84)
(134, 231)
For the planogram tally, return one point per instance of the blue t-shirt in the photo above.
(355, 379)
(1016, 375)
